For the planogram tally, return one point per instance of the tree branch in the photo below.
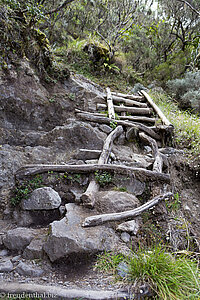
(190, 6)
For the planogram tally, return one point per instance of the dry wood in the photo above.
(157, 109)
(129, 96)
(133, 110)
(128, 101)
(88, 198)
(100, 219)
(111, 111)
(138, 119)
(123, 113)
(160, 158)
(101, 119)
(144, 174)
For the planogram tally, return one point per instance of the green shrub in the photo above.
(186, 125)
(187, 90)
(103, 178)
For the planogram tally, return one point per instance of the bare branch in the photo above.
(190, 6)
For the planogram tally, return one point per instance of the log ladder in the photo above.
(141, 118)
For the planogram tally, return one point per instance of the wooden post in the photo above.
(111, 111)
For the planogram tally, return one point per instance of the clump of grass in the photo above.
(186, 124)
(170, 277)
(108, 262)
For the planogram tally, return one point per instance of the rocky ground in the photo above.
(38, 125)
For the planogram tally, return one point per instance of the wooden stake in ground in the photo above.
(88, 198)
(111, 111)
(158, 163)
(100, 219)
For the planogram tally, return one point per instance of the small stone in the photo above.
(6, 266)
(105, 128)
(4, 252)
(16, 258)
(42, 199)
(92, 161)
(125, 237)
(26, 270)
(122, 269)
(129, 226)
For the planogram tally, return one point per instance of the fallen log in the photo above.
(157, 109)
(138, 119)
(129, 96)
(133, 110)
(100, 219)
(141, 173)
(111, 111)
(101, 119)
(88, 198)
(128, 102)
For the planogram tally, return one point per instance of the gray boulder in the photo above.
(25, 269)
(6, 266)
(19, 238)
(114, 201)
(67, 236)
(42, 199)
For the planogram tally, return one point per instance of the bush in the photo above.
(187, 90)
(169, 276)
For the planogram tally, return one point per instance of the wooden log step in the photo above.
(128, 102)
(101, 219)
(144, 174)
(138, 119)
(101, 119)
(133, 110)
(129, 96)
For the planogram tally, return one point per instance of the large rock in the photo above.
(67, 237)
(44, 198)
(114, 201)
(19, 238)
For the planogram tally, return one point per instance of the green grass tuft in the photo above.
(170, 277)
(186, 124)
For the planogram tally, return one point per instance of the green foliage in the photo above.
(187, 125)
(108, 262)
(72, 177)
(173, 205)
(103, 178)
(113, 124)
(187, 90)
(120, 189)
(170, 277)
(23, 190)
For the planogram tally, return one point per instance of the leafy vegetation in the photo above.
(168, 275)
(23, 190)
(103, 178)
(187, 125)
